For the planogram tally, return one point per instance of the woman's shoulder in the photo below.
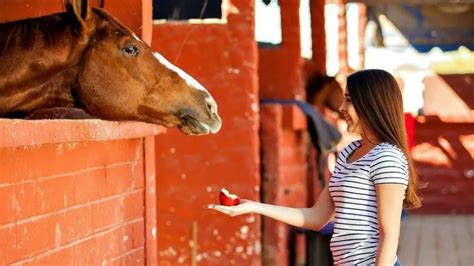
(389, 165)
(387, 151)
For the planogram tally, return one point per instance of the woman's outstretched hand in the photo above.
(245, 206)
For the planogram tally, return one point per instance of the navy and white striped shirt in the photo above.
(352, 188)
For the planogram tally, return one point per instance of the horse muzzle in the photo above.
(191, 126)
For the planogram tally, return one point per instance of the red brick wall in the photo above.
(443, 156)
(191, 170)
(449, 95)
(280, 68)
(444, 141)
(75, 196)
(342, 38)
(283, 181)
(318, 36)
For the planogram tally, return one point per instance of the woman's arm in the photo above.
(313, 218)
(390, 204)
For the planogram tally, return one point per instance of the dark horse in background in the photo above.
(84, 63)
(324, 91)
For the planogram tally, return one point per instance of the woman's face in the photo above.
(350, 115)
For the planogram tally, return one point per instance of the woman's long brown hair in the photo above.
(378, 102)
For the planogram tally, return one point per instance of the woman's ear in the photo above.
(81, 9)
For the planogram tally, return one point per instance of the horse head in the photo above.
(121, 78)
(324, 91)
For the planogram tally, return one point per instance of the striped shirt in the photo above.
(352, 188)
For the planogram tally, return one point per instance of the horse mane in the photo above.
(51, 28)
(25, 32)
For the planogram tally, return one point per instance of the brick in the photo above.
(38, 235)
(135, 257)
(7, 195)
(109, 244)
(63, 256)
(105, 213)
(89, 185)
(119, 179)
(8, 253)
(17, 201)
(133, 205)
(25, 195)
(128, 237)
(139, 233)
(12, 166)
(115, 262)
(28, 162)
(138, 173)
(76, 224)
(86, 252)
(55, 193)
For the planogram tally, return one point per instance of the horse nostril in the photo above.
(209, 108)
(184, 114)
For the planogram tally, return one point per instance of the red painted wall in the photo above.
(70, 192)
(191, 170)
(137, 14)
(449, 95)
(444, 150)
(443, 156)
(284, 180)
(280, 68)
(26, 9)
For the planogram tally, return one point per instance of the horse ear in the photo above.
(80, 8)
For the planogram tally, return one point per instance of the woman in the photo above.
(373, 179)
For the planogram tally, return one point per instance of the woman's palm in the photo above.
(245, 206)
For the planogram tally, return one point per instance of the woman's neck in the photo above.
(369, 139)
(364, 142)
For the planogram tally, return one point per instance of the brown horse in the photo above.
(324, 91)
(84, 63)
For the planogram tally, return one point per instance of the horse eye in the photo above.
(130, 50)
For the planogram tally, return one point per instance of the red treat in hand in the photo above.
(227, 199)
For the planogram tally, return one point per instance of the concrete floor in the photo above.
(437, 240)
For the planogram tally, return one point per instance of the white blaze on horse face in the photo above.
(190, 80)
(136, 38)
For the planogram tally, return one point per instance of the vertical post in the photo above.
(343, 64)
(318, 36)
(194, 233)
(150, 200)
(362, 26)
(147, 21)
